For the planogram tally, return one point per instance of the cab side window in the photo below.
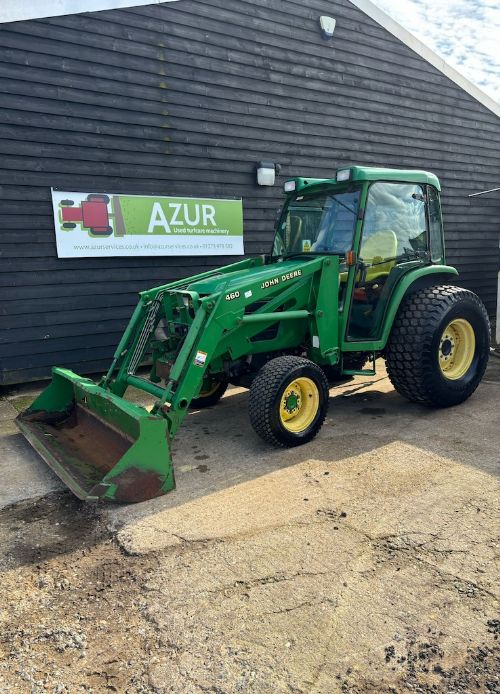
(394, 236)
(395, 223)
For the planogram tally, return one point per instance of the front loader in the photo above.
(357, 270)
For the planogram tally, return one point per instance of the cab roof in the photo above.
(368, 173)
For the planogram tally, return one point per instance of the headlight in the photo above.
(289, 186)
(343, 175)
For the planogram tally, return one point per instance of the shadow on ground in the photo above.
(217, 448)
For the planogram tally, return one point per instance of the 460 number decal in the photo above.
(232, 295)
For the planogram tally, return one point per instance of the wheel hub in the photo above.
(292, 401)
(457, 346)
(299, 404)
(447, 346)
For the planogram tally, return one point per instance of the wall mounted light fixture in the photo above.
(266, 173)
(327, 25)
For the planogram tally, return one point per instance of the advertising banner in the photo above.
(91, 225)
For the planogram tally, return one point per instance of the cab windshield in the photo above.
(322, 223)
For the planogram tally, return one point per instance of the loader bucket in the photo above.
(99, 444)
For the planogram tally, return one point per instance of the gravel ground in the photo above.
(364, 562)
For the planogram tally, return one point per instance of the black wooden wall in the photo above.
(185, 98)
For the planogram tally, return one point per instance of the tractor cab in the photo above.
(380, 222)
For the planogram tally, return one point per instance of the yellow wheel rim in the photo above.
(299, 404)
(456, 349)
(210, 390)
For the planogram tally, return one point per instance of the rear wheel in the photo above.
(438, 349)
(210, 394)
(288, 401)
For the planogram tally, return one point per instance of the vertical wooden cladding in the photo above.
(184, 99)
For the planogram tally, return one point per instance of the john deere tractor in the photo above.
(357, 270)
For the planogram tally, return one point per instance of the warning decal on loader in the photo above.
(200, 358)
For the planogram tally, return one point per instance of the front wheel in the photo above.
(439, 346)
(288, 401)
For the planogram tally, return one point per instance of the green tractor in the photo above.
(357, 270)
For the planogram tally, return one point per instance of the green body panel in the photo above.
(240, 279)
(365, 173)
(223, 324)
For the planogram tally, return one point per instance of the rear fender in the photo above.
(412, 282)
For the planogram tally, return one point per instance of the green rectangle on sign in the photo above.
(182, 216)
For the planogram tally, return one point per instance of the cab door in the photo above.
(394, 240)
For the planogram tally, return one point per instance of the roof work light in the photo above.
(343, 175)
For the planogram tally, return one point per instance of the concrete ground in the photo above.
(365, 561)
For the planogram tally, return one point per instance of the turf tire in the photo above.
(265, 397)
(412, 352)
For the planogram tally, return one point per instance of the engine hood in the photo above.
(232, 281)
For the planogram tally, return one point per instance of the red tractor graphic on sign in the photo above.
(92, 214)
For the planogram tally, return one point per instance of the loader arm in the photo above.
(218, 324)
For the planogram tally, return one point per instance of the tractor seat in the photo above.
(382, 244)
